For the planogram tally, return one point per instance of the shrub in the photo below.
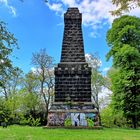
(113, 119)
(35, 122)
(67, 122)
(30, 121)
(90, 123)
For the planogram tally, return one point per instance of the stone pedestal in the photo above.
(73, 115)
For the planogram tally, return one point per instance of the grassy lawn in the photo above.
(38, 133)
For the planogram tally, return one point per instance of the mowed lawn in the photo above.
(38, 133)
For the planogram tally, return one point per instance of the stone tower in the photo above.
(72, 78)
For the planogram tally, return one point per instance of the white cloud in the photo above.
(135, 12)
(106, 69)
(33, 69)
(55, 7)
(11, 9)
(93, 61)
(104, 97)
(94, 34)
(95, 12)
(1, 61)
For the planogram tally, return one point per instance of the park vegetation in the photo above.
(25, 99)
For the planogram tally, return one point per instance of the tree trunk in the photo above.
(99, 117)
(5, 94)
(100, 120)
(134, 122)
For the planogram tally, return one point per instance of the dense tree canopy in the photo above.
(7, 43)
(125, 30)
(124, 40)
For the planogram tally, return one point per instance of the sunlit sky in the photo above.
(39, 25)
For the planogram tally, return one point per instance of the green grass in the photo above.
(38, 133)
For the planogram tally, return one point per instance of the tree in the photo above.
(44, 65)
(29, 92)
(124, 40)
(125, 5)
(9, 93)
(98, 82)
(7, 44)
(10, 81)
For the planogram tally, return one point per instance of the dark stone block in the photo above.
(73, 76)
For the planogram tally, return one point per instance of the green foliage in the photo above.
(24, 121)
(30, 121)
(34, 122)
(125, 6)
(110, 118)
(4, 111)
(90, 123)
(107, 117)
(124, 40)
(68, 122)
(7, 43)
(125, 30)
(127, 57)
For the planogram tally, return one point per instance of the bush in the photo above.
(67, 122)
(90, 123)
(30, 121)
(113, 119)
(24, 121)
(34, 122)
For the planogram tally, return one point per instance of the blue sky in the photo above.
(38, 25)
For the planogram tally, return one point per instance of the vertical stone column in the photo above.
(72, 47)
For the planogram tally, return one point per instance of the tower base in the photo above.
(73, 115)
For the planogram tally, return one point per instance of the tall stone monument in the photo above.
(72, 105)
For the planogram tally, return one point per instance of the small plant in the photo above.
(30, 121)
(90, 123)
(34, 122)
(24, 121)
(67, 122)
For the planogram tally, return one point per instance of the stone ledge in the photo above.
(72, 127)
(73, 111)
(73, 103)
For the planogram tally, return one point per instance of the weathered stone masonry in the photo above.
(72, 78)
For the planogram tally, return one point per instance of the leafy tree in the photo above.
(30, 83)
(10, 81)
(125, 30)
(33, 105)
(124, 40)
(44, 65)
(7, 44)
(4, 111)
(98, 82)
(125, 5)
(113, 119)
(29, 92)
